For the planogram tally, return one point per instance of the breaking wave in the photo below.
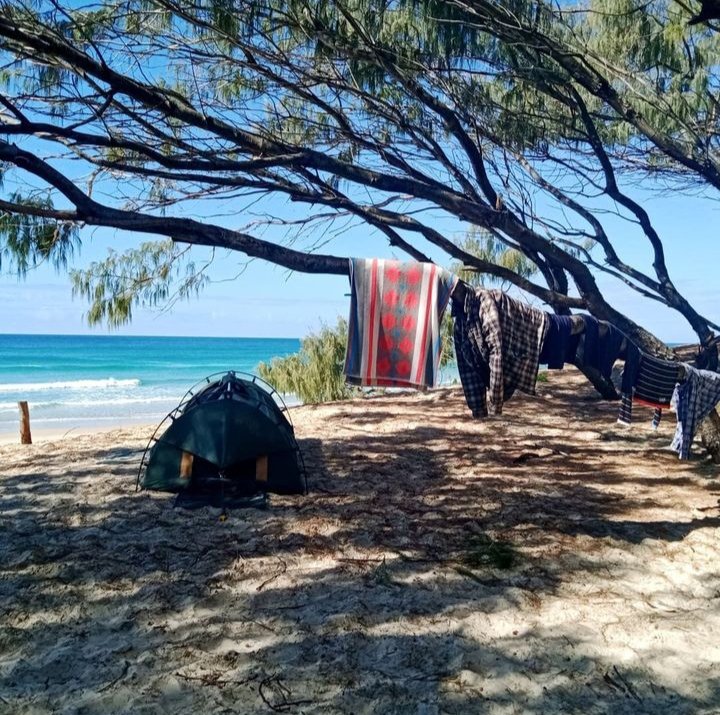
(109, 382)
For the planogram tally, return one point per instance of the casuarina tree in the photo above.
(530, 121)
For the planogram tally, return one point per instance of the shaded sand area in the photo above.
(382, 591)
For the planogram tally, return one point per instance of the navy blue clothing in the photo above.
(588, 343)
(560, 344)
(600, 351)
(609, 349)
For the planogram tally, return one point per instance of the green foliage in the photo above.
(484, 245)
(315, 373)
(447, 346)
(444, 103)
(148, 276)
(27, 241)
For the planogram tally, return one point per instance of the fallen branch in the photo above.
(215, 679)
(284, 693)
(274, 576)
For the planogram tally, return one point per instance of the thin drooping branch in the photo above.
(89, 211)
(503, 23)
(667, 287)
(177, 106)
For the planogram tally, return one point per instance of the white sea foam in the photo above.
(42, 404)
(12, 406)
(120, 401)
(109, 382)
(118, 419)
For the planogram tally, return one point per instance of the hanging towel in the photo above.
(694, 400)
(394, 328)
(499, 339)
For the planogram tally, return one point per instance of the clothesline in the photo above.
(394, 331)
(578, 325)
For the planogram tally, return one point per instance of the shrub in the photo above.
(315, 373)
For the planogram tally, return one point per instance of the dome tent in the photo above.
(227, 443)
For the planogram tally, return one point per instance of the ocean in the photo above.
(76, 381)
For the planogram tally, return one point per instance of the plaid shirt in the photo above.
(497, 344)
(694, 400)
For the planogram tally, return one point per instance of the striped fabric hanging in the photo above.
(396, 310)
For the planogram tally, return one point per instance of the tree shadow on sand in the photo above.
(367, 596)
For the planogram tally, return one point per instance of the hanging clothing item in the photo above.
(472, 367)
(650, 382)
(694, 400)
(394, 327)
(560, 345)
(632, 356)
(497, 341)
(610, 348)
(600, 345)
(585, 354)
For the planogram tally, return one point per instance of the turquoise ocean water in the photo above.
(73, 381)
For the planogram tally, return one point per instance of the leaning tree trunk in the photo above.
(707, 358)
(702, 357)
(604, 386)
(710, 436)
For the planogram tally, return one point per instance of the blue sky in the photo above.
(268, 301)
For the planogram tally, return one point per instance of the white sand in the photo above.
(367, 596)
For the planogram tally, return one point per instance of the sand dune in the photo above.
(546, 562)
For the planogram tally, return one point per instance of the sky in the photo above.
(269, 301)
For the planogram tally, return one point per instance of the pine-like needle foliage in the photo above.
(26, 241)
(151, 276)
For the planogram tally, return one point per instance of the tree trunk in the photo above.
(710, 436)
(603, 385)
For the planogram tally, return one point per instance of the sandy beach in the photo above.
(549, 561)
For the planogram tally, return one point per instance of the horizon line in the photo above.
(116, 335)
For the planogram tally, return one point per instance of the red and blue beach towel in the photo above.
(394, 328)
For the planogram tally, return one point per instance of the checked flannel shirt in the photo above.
(694, 400)
(497, 345)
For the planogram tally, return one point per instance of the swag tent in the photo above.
(228, 443)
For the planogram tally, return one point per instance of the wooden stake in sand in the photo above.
(25, 437)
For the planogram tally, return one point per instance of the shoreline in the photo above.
(58, 434)
(97, 425)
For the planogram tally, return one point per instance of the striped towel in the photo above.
(394, 327)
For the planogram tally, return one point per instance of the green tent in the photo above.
(228, 441)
